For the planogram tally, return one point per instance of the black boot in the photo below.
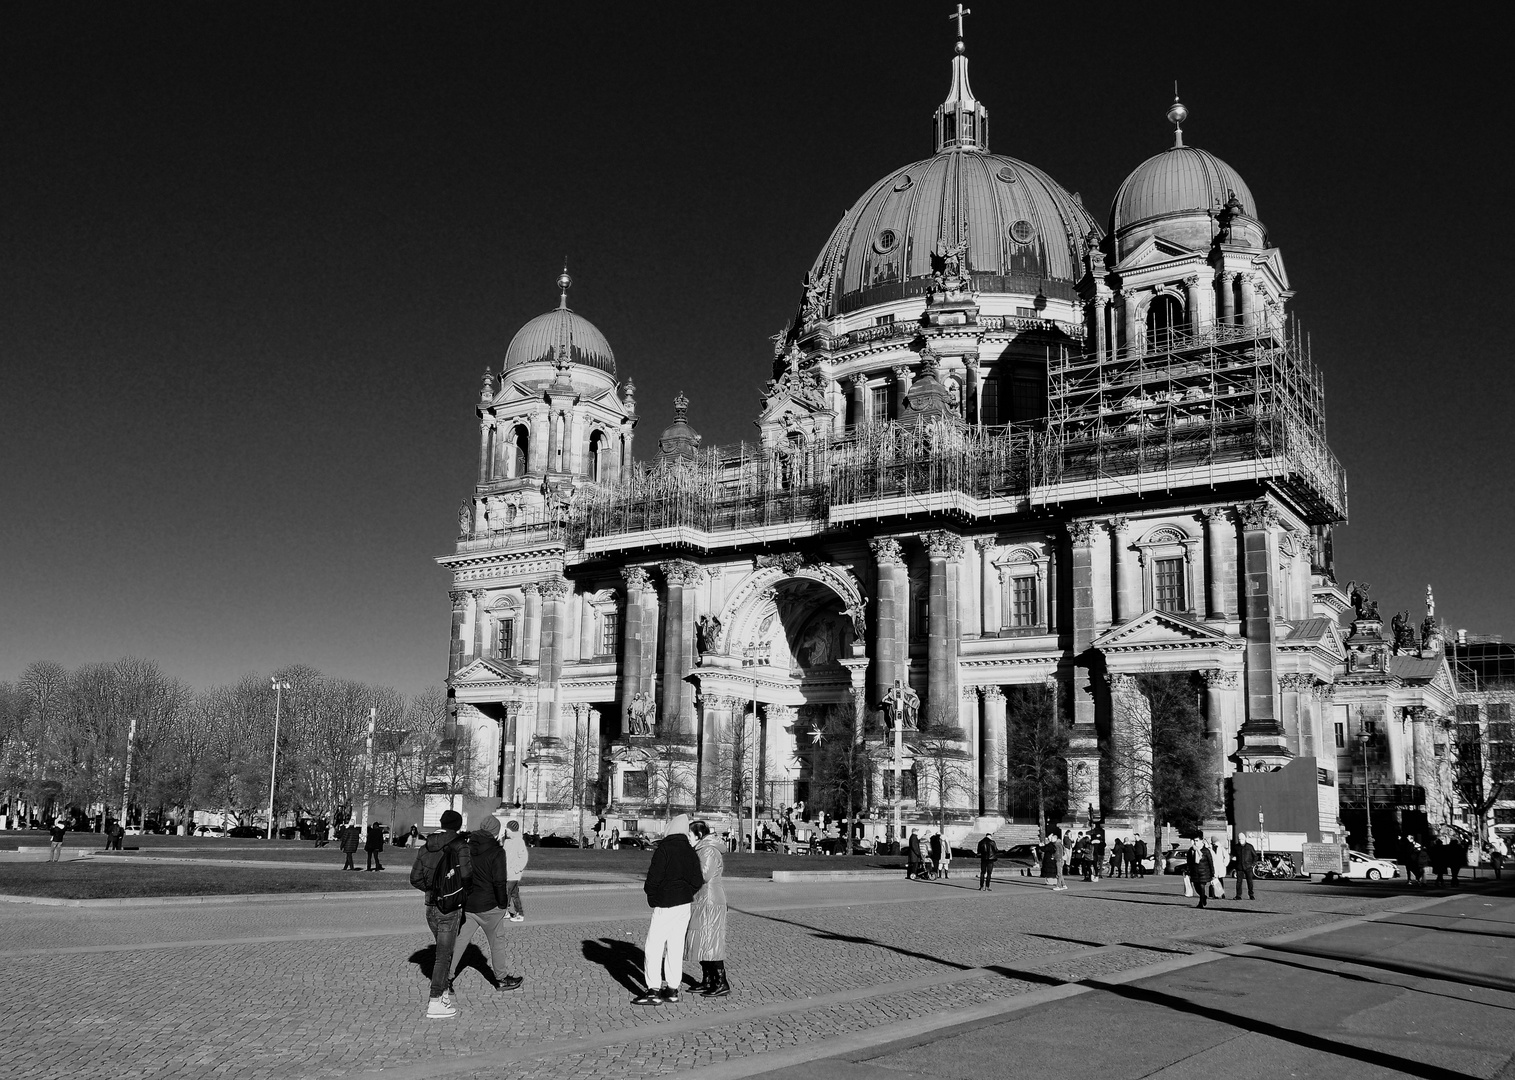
(721, 987)
(707, 978)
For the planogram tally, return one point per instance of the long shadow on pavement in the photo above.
(831, 935)
(1304, 1039)
(1352, 976)
(622, 960)
(1423, 971)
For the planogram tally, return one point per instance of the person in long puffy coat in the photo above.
(707, 922)
(1201, 868)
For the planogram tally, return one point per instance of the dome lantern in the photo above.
(961, 122)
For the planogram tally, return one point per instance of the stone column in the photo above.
(1136, 339)
(941, 693)
(888, 625)
(974, 416)
(537, 458)
(633, 641)
(554, 592)
(483, 451)
(716, 725)
(1050, 592)
(903, 376)
(477, 596)
(1042, 593)
(509, 751)
(1100, 309)
(992, 764)
(1083, 745)
(455, 646)
(1192, 301)
(1217, 527)
(1122, 606)
(1225, 313)
(1297, 688)
(628, 461)
(1220, 725)
(1262, 730)
(531, 643)
(989, 586)
(678, 647)
(588, 646)
(859, 384)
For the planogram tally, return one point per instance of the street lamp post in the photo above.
(895, 699)
(1366, 738)
(279, 686)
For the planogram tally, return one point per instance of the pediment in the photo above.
(1156, 250)
(490, 670)
(775, 408)
(1163, 629)
(1316, 633)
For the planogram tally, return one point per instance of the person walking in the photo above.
(1457, 858)
(1097, 850)
(57, 832)
(1117, 857)
(484, 906)
(442, 846)
(672, 881)
(350, 837)
(1055, 858)
(707, 916)
(934, 846)
(913, 859)
(373, 846)
(1139, 857)
(1083, 857)
(1201, 869)
(1496, 854)
(599, 833)
(1245, 861)
(945, 862)
(1415, 861)
(988, 854)
(516, 857)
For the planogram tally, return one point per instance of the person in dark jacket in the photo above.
(672, 880)
(444, 927)
(1439, 859)
(934, 845)
(485, 904)
(350, 838)
(1201, 869)
(1117, 857)
(1245, 861)
(374, 845)
(914, 861)
(988, 852)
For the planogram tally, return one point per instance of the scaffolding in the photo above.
(1196, 406)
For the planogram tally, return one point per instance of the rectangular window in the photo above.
(1504, 815)
(634, 784)
(880, 401)
(507, 639)
(1168, 585)
(884, 320)
(1498, 713)
(609, 633)
(1023, 601)
(1028, 313)
(1030, 398)
(1341, 736)
(988, 412)
(1467, 714)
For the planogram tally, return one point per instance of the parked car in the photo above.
(246, 831)
(1366, 866)
(1015, 858)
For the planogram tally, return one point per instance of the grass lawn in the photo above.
(89, 879)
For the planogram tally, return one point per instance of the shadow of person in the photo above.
(425, 959)
(473, 957)
(622, 960)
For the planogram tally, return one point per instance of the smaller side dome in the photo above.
(541, 339)
(1174, 195)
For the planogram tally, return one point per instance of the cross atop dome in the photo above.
(961, 122)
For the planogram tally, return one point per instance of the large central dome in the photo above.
(1023, 231)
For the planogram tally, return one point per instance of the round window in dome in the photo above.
(903, 182)
(1022, 231)
(885, 241)
(1007, 175)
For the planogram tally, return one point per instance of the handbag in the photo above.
(1188, 884)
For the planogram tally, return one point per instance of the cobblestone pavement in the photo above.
(338, 988)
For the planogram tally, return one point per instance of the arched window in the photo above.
(1164, 315)
(515, 451)
(597, 463)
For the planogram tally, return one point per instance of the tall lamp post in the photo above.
(895, 700)
(1366, 738)
(279, 686)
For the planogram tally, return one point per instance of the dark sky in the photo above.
(256, 257)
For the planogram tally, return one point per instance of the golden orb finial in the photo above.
(564, 284)
(1177, 114)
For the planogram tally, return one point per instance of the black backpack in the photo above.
(440, 875)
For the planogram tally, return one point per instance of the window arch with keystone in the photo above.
(1168, 557)
(506, 626)
(1023, 590)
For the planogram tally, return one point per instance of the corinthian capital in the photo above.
(1217, 679)
(1257, 515)
(554, 588)
(682, 572)
(887, 552)
(635, 577)
(941, 544)
(1081, 532)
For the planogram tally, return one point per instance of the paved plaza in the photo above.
(860, 979)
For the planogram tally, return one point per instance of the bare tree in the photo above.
(1157, 750)
(1035, 749)
(670, 774)
(1483, 756)
(847, 767)
(940, 756)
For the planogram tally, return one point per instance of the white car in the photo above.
(1366, 866)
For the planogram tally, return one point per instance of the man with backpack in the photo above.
(443, 870)
(987, 853)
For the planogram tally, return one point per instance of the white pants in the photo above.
(665, 946)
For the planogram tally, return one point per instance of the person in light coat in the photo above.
(707, 922)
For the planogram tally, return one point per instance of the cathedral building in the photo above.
(1005, 444)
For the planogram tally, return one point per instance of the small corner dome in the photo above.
(1173, 195)
(540, 339)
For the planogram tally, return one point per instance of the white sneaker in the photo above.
(518, 918)
(441, 1008)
